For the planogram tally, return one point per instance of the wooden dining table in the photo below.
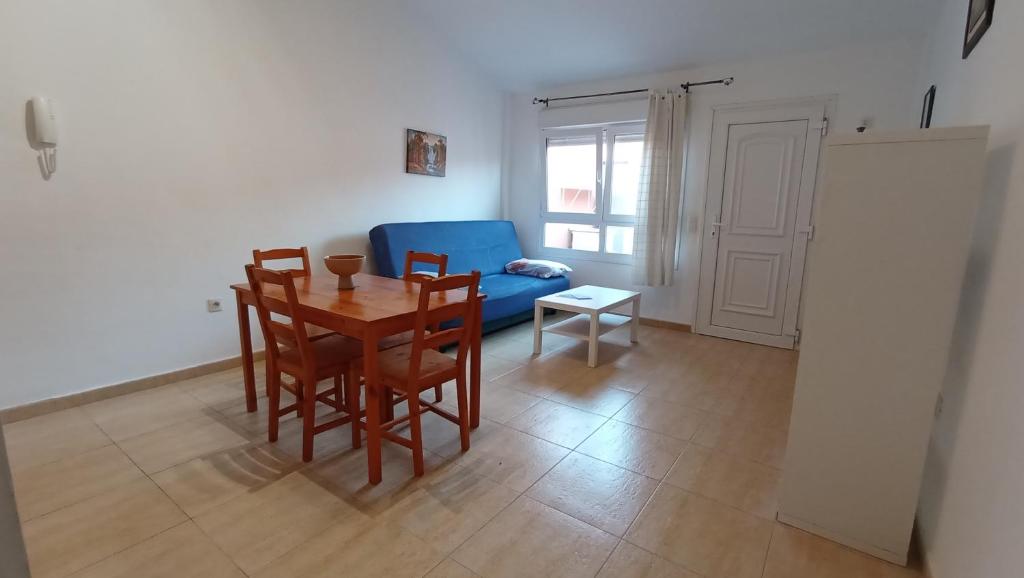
(377, 308)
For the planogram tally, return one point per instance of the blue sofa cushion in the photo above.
(509, 295)
(484, 246)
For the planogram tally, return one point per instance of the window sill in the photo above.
(576, 255)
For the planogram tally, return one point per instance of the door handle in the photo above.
(715, 227)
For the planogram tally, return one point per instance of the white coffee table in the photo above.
(596, 316)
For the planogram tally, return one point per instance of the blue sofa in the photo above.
(485, 246)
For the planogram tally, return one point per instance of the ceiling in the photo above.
(525, 44)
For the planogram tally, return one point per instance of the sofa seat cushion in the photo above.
(512, 294)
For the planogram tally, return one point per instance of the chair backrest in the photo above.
(439, 260)
(459, 309)
(291, 333)
(258, 257)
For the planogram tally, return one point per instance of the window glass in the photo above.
(618, 240)
(572, 236)
(572, 175)
(628, 153)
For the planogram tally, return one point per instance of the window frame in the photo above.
(602, 217)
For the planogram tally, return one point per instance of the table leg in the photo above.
(475, 347)
(538, 322)
(634, 325)
(595, 324)
(373, 409)
(245, 339)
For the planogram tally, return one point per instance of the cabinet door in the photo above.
(884, 272)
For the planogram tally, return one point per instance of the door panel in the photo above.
(758, 185)
(750, 283)
(763, 171)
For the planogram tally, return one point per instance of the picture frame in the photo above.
(425, 153)
(926, 107)
(979, 19)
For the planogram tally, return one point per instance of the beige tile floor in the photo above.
(663, 461)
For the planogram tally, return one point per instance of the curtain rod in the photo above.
(685, 86)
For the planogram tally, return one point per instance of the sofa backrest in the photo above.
(484, 246)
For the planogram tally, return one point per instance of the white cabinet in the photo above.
(13, 561)
(884, 273)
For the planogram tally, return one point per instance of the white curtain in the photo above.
(661, 177)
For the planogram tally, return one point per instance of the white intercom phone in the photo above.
(45, 122)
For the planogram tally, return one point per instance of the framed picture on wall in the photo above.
(425, 153)
(979, 18)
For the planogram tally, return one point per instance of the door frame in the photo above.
(817, 111)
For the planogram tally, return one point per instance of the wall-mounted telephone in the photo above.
(45, 126)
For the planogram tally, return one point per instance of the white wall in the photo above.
(870, 81)
(971, 514)
(192, 132)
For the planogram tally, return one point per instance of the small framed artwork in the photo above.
(979, 18)
(425, 153)
(926, 107)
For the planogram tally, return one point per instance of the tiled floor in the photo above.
(664, 461)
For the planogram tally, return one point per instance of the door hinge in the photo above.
(796, 335)
(809, 230)
(824, 126)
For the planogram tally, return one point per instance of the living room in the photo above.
(149, 148)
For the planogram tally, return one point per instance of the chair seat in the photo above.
(332, 352)
(396, 340)
(317, 332)
(393, 365)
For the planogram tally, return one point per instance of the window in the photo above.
(592, 181)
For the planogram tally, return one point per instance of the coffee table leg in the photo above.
(634, 326)
(538, 322)
(595, 324)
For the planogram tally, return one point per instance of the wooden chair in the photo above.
(418, 366)
(302, 253)
(258, 257)
(412, 257)
(438, 260)
(290, 351)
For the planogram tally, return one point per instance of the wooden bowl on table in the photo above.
(344, 266)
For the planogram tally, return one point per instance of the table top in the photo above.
(374, 298)
(601, 298)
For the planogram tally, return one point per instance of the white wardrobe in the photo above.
(884, 272)
(13, 562)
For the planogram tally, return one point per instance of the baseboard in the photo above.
(666, 324)
(875, 551)
(43, 407)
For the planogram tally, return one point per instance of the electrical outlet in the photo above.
(213, 305)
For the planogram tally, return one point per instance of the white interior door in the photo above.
(760, 191)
